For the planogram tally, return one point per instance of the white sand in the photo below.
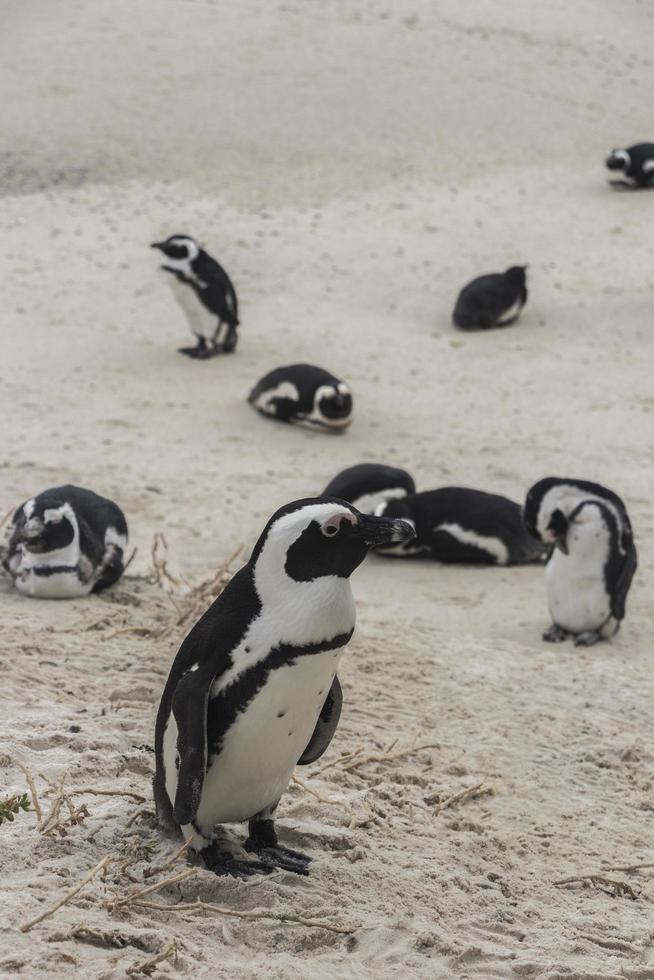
(352, 166)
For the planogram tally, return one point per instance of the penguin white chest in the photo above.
(576, 591)
(260, 750)
(202, 322)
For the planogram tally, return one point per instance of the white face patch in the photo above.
(316, 415)
(368, 503)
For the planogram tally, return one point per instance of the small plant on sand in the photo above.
(12, 805)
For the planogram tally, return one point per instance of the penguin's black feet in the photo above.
(282, 858)
(198, 353)
(224, 863)
(587, 639)
(555, 634)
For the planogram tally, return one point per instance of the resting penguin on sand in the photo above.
(65, 543)
(205, 293)
(456, 525)
(636, 163)
(367, 485)
(253, 690)
(492, 301)
(304, 394)
(593, 561)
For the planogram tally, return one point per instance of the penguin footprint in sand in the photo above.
(65, 543)
(304, 394)
(253, 690)
(492, 301)
(205, 293)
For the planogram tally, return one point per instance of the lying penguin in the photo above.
(65, 543)
(593, 560)
(253, 690)
(367, 485)
(304, 394)
(636, 164)
(456, 525)
(205, 293)
(492, 301)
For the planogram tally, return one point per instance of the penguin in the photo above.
(65, 543)
(636, 163)
(492, 301)
(205, 293)
(367, 485)
(550, 502)
(588, 576)
(456, 525)
(253, 690)
(304, 394)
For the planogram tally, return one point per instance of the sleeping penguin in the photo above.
(205, 293)
(456, 525)
(253, 690)
(304, 394)
(588, 576)
(367, 485)
(492, 301)
(65, 543)
(636, 164)
(551, 500)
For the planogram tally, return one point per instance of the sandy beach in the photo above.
(351, 166)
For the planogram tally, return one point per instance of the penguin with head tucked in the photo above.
(253, 690)
(205, 293)
(636, 164)
(305, 395)
(593, 556)
(367, 485)
(495, 300)
(65, 543)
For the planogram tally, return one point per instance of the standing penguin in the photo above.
(65, 543)
(492, 301)
(457, 525)
(588, 576)
(205, 293)
(253, 690)
(636, 163)
(368, 485)
(304, 394)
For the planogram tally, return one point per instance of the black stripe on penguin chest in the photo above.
(224, 709)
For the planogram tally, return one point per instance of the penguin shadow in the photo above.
(623, 185)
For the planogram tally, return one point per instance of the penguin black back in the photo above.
(636, 163)
(367, 485)
(491, 301)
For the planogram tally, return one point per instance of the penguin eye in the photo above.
(330, 531)
(333, 525)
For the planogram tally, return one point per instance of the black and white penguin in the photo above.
(205, 293)
(304, 394)
(636, 164)
(588, 576)
(65, 543)
(368, 485)
(492, 301)
(457, 525)
(253, 690)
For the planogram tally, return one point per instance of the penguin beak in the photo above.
(158, 245)
(561, 543)
(384, 530)
(31, 532)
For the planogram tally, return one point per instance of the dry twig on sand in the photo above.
(160, 562)
(100, 866)
(33, 793)
(93, 791)
(630, 868)
(157, 869)
(387, 755)
(199, 906)
(618, 888)
(465, 794)
(148, 966)
(134, 897)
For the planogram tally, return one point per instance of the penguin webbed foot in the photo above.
(555, 634)
(224, 863)
(282, 858)
(587, 639)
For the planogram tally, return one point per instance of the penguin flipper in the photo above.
(189, 709)
(325, 726)
(623, 583)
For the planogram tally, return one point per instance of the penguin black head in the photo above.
(332, 405)
(318, 538)
(618, 160)
(47, 526)
(180, 248)
(517, 274)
